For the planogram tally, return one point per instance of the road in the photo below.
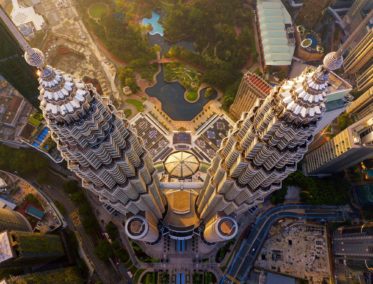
(245, 257)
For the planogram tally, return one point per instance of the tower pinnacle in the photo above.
(35, 57)
(333, 61)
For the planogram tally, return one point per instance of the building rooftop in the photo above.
(155, 140)
(136, 226)
(181, 214)
(23, 16)
(34, 212)
(5, 248)
(276, 32)
(274, 278)
(257, 82)
(211, 137)
(10, 103)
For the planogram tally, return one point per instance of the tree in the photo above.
(71, 186)
(112, 230)
(104, 251)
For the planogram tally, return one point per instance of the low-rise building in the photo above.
(27, 249)
(276, 33)
(26, 19)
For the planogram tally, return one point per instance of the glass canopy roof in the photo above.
(181, 164)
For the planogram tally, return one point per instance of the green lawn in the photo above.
(137, 104)
(97, 10)
(35, 119)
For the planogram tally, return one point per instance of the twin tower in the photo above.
(102, 149)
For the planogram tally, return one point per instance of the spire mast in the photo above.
(14, 30)
(345, 45)
(33, 56)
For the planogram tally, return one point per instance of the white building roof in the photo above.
(22, 16)
(278, 44)
(7, 204)
(5, 248)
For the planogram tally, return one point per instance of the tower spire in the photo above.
(334, 60)
(33, 56)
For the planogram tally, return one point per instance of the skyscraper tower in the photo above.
(266, 144)
(14, 68)
(98, 144)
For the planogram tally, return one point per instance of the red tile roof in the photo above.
(258, 83)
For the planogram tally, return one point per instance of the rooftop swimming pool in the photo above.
(41, 137)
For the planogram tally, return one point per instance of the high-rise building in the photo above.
(353, 245)
(349, 147)
(98, 144)
(252, 87)
(362, 106)
(266, 144)
(26, 248)
(354, 16)
(12, 220)
(359, 61)
(14, 68)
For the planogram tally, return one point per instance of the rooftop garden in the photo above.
(35, 119)
(310, 40)
(26, 162)
(35, 244)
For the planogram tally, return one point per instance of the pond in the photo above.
(156, 35)
(171, 95)
(154, 22)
